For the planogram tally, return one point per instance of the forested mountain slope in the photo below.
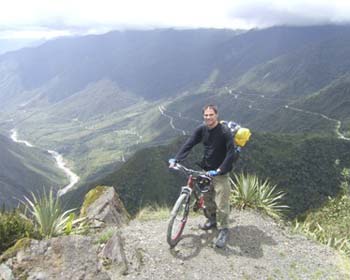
(307, 168)
(98, 99)
(24, 170)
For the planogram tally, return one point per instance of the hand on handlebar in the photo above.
(172, 163)
(212, 173)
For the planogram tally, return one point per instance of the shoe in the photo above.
(222, 238)
(208, 225)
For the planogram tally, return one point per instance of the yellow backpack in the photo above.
(241, 135)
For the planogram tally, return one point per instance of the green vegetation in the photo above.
(96, 145)
(40, 217)
(90, 197)
(305, 167)
(12, 251)
(330, 224)
(154, 212)
(105, 236)
(13, 226)
(250, 191)
(24, 168)
(100, 116)
(48, 215)
(143, 180)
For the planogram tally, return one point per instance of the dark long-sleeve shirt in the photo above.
(218, 144)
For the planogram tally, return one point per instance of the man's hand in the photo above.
(172, 162)
(212, 173)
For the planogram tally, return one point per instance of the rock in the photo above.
(69, 257)
(113, 257)
(102, 206)
(5, 272)
(74, 256)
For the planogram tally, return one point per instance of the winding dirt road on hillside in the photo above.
(337, 126)
(162, 110)
(245, 96)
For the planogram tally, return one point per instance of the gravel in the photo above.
(258, 248)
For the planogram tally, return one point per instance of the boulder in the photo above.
(66, 257)
(103, 207)
(113, 257)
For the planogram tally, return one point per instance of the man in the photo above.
(218, 158)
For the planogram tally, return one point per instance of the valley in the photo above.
(99, 100)
(72, 177)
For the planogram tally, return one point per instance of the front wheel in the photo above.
(178, 220)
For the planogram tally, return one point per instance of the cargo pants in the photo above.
(217, 201)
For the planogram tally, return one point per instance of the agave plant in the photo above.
(245, 191)
(250, 191)
(48, 215)
(270, 200)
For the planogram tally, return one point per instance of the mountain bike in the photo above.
(191, 196)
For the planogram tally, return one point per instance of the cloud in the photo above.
(296, 12)
(92, 16)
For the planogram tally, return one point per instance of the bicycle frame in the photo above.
(181, 209)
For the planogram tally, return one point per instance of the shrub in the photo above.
(250, 191)
(13, 226)
(330, 224)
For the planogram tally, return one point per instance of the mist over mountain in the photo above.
(98, 99)
(11, 44)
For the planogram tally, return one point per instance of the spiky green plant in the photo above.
(48, 214)
(270, 199)
(245, 190)
(250, 191)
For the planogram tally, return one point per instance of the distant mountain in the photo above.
(24, 170)
(162, 63)
(98, 99)
(301, 71)
(333, 101)
(148, 63)
(8, 45)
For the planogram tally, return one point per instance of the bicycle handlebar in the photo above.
(186, 170)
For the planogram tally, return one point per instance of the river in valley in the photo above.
(72, 177)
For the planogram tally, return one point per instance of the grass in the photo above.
(155, 212)
(330, 224)
(105, 236)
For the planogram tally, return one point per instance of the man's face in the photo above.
(210, 118)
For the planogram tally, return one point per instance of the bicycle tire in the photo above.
(178, 220)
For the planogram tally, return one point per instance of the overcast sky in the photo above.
(49, 18)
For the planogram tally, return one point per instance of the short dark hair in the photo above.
(210, 106)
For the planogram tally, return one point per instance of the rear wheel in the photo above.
(178, 220)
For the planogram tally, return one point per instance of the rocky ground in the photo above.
(258, 249)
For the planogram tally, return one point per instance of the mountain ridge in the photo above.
(97, 102)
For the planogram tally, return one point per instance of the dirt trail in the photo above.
(258, 249)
